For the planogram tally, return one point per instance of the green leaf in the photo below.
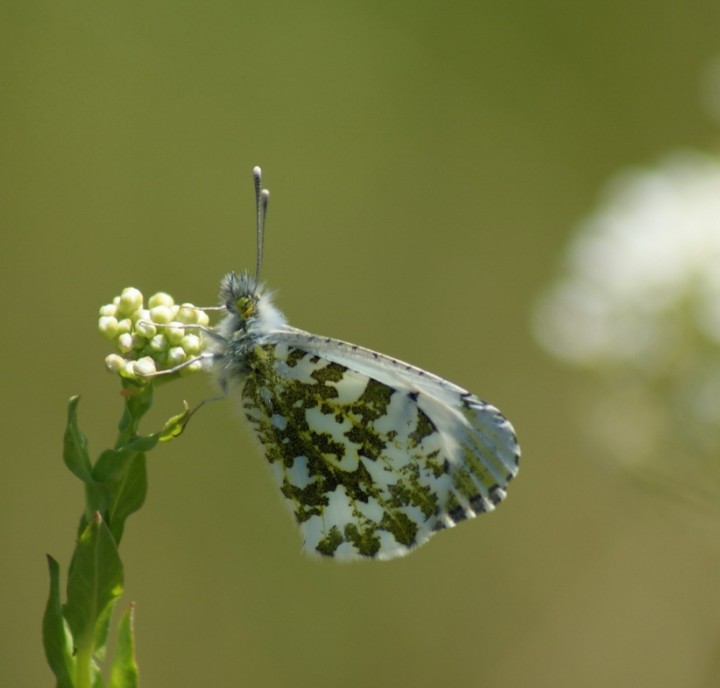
(175, 426)
(124, 671)
(56, 639)
(129, 496)
(75, 452)
(120, 488)
(95, 581)
(142, 443)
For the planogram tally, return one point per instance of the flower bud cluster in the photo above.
(154, 337)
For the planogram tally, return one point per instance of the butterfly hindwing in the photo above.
(372, 455)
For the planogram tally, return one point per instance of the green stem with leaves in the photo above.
(75, 633)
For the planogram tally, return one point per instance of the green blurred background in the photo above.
(427, 163)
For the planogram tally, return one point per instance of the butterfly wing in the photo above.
(373, 455)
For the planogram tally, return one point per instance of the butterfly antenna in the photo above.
(261, 203)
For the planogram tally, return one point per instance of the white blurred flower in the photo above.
(643, 271)
(638, 302)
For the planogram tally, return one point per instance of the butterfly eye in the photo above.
(245, 306)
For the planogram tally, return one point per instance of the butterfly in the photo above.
(372, 455)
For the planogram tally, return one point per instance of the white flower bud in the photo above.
(193, 367)
(176, 355)
(125, 342)
(159, 343)
(187, 314)
(109, 310)
(108, 326)
(115, 363)
(203, 319)
(173, 334)
(192, 344)
(130, 300)
(146, 329)
(125, 325)
(161, 299)
(145, 367)
(161, 314)
(129, 370)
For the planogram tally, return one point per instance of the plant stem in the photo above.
(83, 667)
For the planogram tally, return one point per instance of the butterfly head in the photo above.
(240, 294)
(248, 304)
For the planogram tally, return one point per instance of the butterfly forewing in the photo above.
(372, 455)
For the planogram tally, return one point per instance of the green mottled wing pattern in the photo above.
(372, 455)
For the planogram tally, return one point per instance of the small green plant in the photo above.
(154, 344)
